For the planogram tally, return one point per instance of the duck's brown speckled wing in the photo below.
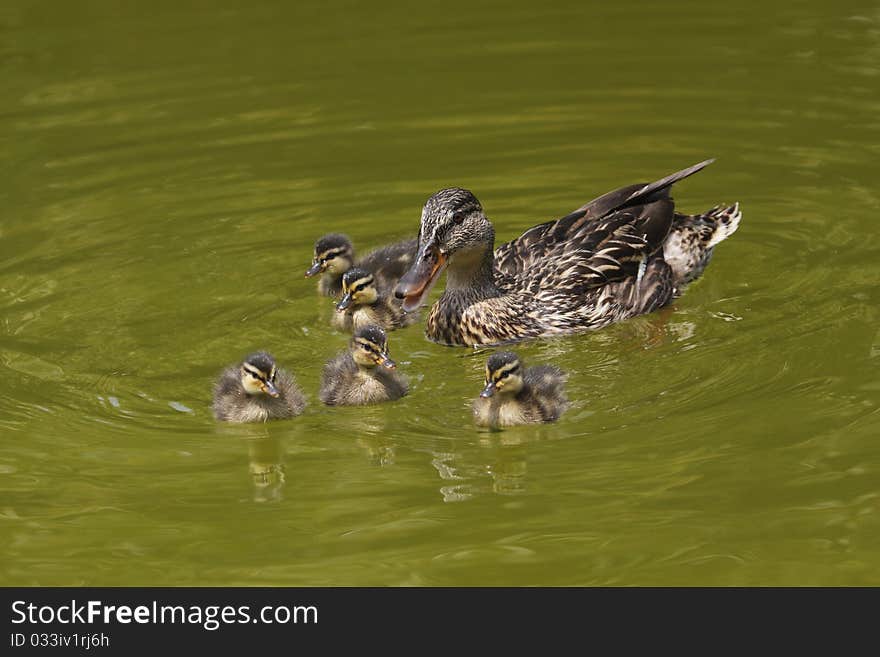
(587, 253)
(603, 241)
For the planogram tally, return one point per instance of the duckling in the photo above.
(514, 395)
(364, 303)
(334, 255)
(623, 254)
(255, 391)
(363, 374)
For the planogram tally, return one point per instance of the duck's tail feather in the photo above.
(645, 192)
(726, 222)
(689, 245)
(630, 195)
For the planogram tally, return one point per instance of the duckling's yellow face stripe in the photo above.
(370, 353)
(335, 260)
(252, 379)
(329, 254)
(357, 286)
(255, 381)
(361, 291)
(371, 347)
(253, 371)
(498, 376)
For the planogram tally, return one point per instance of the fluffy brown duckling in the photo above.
(334, 255)
(516, 395)
(364, 374)
(255, 391)
(364, 303)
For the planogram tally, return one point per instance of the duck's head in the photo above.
(258, 374)
(453, 222)
(358, 288)
(369, 347)
(503, 374)
(334, 254)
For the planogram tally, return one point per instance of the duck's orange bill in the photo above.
(418, 281)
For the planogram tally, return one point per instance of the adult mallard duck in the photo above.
(334, 255)
(363, 303)
(364, 374)
(517, 395)
(255, 391)
(623, 254)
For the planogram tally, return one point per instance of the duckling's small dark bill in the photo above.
(344, 302)
(489, 390)
(314, 269)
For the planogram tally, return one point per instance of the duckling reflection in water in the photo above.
(266, 467)
(256, 391)
(364, 303)
(334, 255)
(515, 395)
(363, 374)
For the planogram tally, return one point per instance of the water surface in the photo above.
(165, 171)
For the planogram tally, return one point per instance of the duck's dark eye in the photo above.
(458, 217)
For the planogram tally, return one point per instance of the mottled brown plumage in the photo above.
(623, 254)
(334, 255)
(517, 395)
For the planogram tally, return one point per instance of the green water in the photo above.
(165, 170)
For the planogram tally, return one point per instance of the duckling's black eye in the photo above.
(458, 217)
